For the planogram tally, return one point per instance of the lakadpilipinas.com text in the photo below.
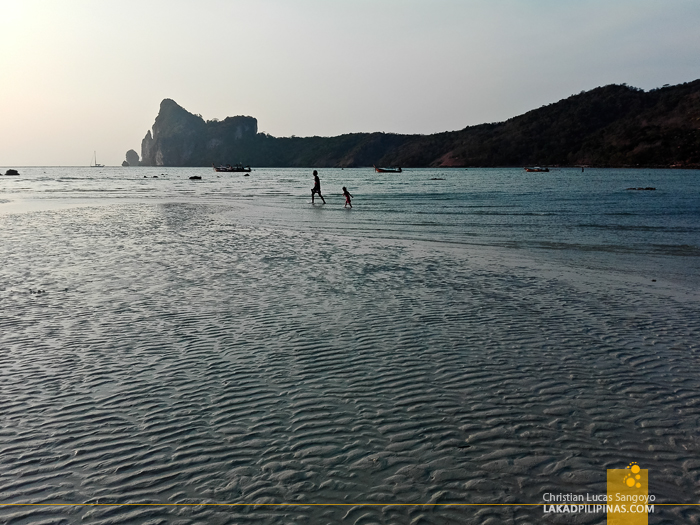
(598, 503)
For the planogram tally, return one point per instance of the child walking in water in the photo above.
(347, 197)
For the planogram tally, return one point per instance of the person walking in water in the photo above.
(317, 188)
(347, 197)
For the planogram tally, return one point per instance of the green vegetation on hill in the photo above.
(614, 125)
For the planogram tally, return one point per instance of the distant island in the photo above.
(614, 126)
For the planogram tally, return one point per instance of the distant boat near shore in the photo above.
(537, 170)
(94, 161)
(388, 170)
(238, 168)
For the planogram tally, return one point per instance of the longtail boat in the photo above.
(238, 168)
(387, 170)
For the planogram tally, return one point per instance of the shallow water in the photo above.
(485, 338)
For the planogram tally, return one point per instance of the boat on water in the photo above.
(238, 168)
(388, 170)
(11, 172)
(537, 170)
(94, 161)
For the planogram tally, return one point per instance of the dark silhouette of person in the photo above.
(317, 188)
(347, 197)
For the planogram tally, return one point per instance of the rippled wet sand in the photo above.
(178, 356)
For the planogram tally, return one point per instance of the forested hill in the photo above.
(614, 125)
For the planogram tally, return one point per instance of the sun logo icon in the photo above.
(632, 479)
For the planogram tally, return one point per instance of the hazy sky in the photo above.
(78, 76)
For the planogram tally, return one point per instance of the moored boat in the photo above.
(95, 163)
(388, 170)
(238, 168)
(537, 170)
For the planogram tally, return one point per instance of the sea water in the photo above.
(480, 336)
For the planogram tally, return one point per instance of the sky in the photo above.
(79, 76)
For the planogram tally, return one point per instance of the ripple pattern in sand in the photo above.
(173, 356)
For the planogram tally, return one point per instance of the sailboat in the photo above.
(95, 164)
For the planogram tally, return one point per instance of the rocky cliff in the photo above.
(180, 138)
(132, 159)
(614, 125)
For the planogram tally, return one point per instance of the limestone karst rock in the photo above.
(132, 158)
(180, 138)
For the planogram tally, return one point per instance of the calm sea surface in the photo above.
(459, 336)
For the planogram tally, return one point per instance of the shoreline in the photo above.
(303, 362)
(689, 167)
